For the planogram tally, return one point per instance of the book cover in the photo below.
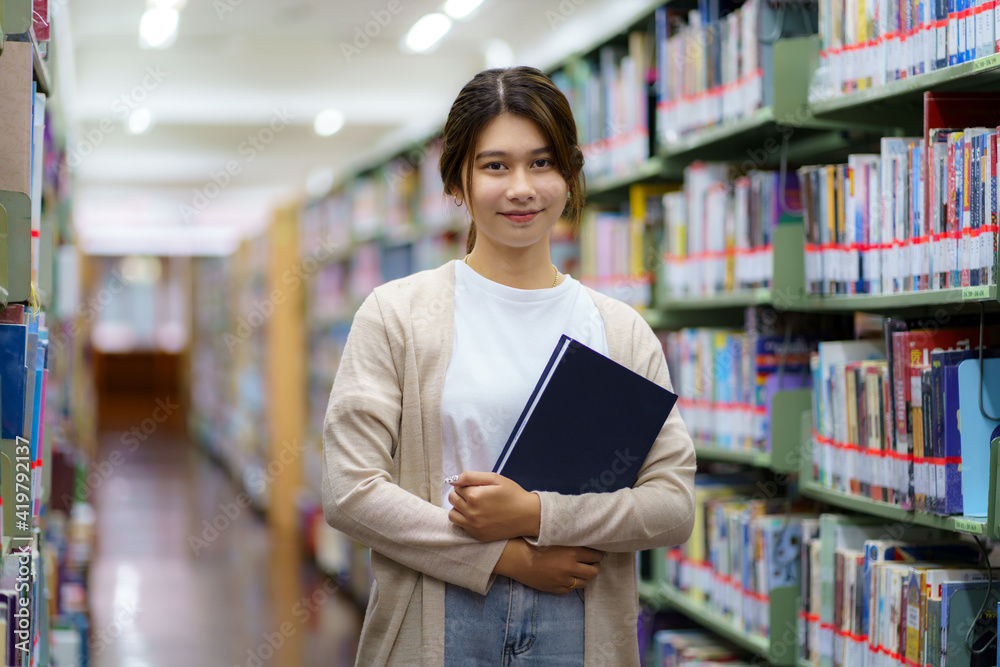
(977, 429)
(587, 427)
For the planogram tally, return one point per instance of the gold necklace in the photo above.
(554, 280)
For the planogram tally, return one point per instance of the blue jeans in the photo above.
(512, 625)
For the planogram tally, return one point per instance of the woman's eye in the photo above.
(543, 162)
(494, 166)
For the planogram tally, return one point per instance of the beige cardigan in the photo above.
(382, 480)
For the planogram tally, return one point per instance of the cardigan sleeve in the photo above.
(658, 510)
(360, 498)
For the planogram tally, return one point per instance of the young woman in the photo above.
(471, 569)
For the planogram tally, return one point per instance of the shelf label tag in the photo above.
(975, 293)
(986, 63)
(762, 294)
(969, 526)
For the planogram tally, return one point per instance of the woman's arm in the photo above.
(360, 497)
(659, 508)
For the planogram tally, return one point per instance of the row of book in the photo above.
(709, 69)
(874, 594)
(899, 420)
(744, 546)
(691, 647)
(718, 232)
(41, 585)
(611, 256)
(727, 380)
(609, 97)
(398, 202)
(868, 43)
(907, 220)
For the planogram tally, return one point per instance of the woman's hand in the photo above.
(491, 507)
(552, 569)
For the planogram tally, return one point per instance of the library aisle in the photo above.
(244, 599)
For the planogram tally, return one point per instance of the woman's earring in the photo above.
(458, 202)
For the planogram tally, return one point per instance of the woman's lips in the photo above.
(520, 216)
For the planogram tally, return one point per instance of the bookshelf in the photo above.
(48, 537)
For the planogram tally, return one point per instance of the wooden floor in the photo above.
(169, 589)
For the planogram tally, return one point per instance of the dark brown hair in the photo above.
(525, 92)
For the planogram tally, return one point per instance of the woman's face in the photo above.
(518, 193)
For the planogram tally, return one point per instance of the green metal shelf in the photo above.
(961, 524)
(603, 187)
(709, 453)
(740, 299)
(784, 601)
(758, 121)
(902, 100)
(877, 302)
(788, 409)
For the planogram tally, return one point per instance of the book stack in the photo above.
(872, 596)
(742, 548)
(709, 70)
(24, 371)
(400, 189)
(868, 43)
(962, 208)
(864, 222)
(609, 97)
(868, 230)
(611, 257)
(718, 231)
(437, 211)
(886, 415)
(727, 380)
(366, 213)
(695, 648)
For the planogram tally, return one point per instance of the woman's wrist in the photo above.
(532, 522)
(512, 555)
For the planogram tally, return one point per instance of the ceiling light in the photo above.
(139, 120)
(158, 28)
(328, 122)
(459, 9)
(426, 32)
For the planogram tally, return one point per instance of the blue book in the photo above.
(977, 430)
(587, 427)
(13, 379)
(952, 32)
(941, 34)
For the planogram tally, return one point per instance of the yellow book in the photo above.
(697, 545)
(831, 217)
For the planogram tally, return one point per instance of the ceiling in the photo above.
(265, 68)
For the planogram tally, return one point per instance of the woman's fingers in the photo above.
(588, 555)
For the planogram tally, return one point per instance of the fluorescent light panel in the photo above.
(158, 28)
(460, 9)
(427, 32)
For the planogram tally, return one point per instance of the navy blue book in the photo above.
(13, 379)
(587, 427)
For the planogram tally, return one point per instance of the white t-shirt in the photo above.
(504, 337)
